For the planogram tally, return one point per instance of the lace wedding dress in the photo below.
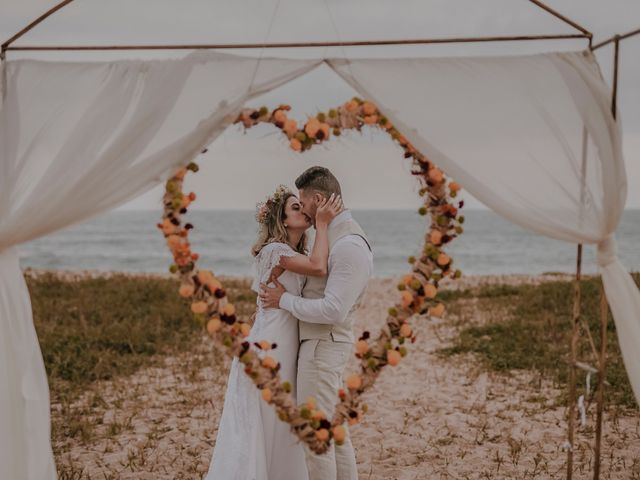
(252, 443)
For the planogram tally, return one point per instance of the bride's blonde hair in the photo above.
(271, 217)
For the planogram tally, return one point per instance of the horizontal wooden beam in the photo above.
(228, 46)
(613, 39)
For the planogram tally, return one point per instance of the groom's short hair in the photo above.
(319, 179)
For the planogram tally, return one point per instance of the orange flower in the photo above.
(454, 187)
(265, 344)
(181, 173)
(351, 106)
(245, 329)
(339, 434)
(186, 201)
(362, 347)
(407, 279)
(229, 309)
(214, 284)
(205, 276)
(443, 259)
(435, 175)
(214, 325)
(354, 382)
(279, 116)
(322, 434)
(437, 311)
(266, 394)
(430, 290)
(405, 330)
(295, 144)
(168, 227)
(436, 237)
(290, 127)
(186, 290)
(368, 108)
(199, 307)
(174, 241)
(371, 119)
(393, 357)
(406, 299)
(269, 362)
(312, 127)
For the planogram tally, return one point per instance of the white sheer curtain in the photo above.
(78, 139)
(532, 137)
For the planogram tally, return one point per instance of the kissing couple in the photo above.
(305, 306)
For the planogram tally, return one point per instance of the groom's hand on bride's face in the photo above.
(270, 296)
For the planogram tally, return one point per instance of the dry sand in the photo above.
(430, 417)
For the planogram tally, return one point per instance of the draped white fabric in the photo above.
(78, 139)
(532, 137)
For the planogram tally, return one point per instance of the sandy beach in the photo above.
(431, 417)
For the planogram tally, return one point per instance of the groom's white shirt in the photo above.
(349, 269)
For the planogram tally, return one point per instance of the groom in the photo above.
(325, 313)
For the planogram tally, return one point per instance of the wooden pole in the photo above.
(227, 46)
(561, 17)
(4, 47)
(604, 308)
(575, 320)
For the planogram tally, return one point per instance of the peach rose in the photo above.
(393, 357)
(229, 309)
(436, 237)
(186, 290)
(368, 108)
(290, 127)
(295, 144)
(362, 347)
(214, 325)
(405, 330)
(371, 119)
(351, 106)
(354, 382)
(279, 116)
(266, 394)
(245, 329)
(199, 307)
(322, 434)
(312, 127)
(443, 259)
(437, 311)
(269, 362)
(430, 290)
(406, 299)
(435, 175)
(339, 434)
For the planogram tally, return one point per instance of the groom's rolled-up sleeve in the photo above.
(349, 272)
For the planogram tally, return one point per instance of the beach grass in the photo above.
(528, 327)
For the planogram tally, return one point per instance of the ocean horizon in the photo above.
(129, 241)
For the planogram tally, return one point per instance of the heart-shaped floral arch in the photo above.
(418, 290)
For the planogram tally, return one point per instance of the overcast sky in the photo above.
(240, 169)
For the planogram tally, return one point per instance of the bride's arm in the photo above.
(315, 265)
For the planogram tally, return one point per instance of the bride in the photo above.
(252, 443)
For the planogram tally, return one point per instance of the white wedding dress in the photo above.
(252, 442)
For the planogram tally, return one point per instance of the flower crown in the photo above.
(263, 209)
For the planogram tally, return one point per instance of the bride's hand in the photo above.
(328, 209)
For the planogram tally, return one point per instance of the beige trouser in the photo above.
(321, 364)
